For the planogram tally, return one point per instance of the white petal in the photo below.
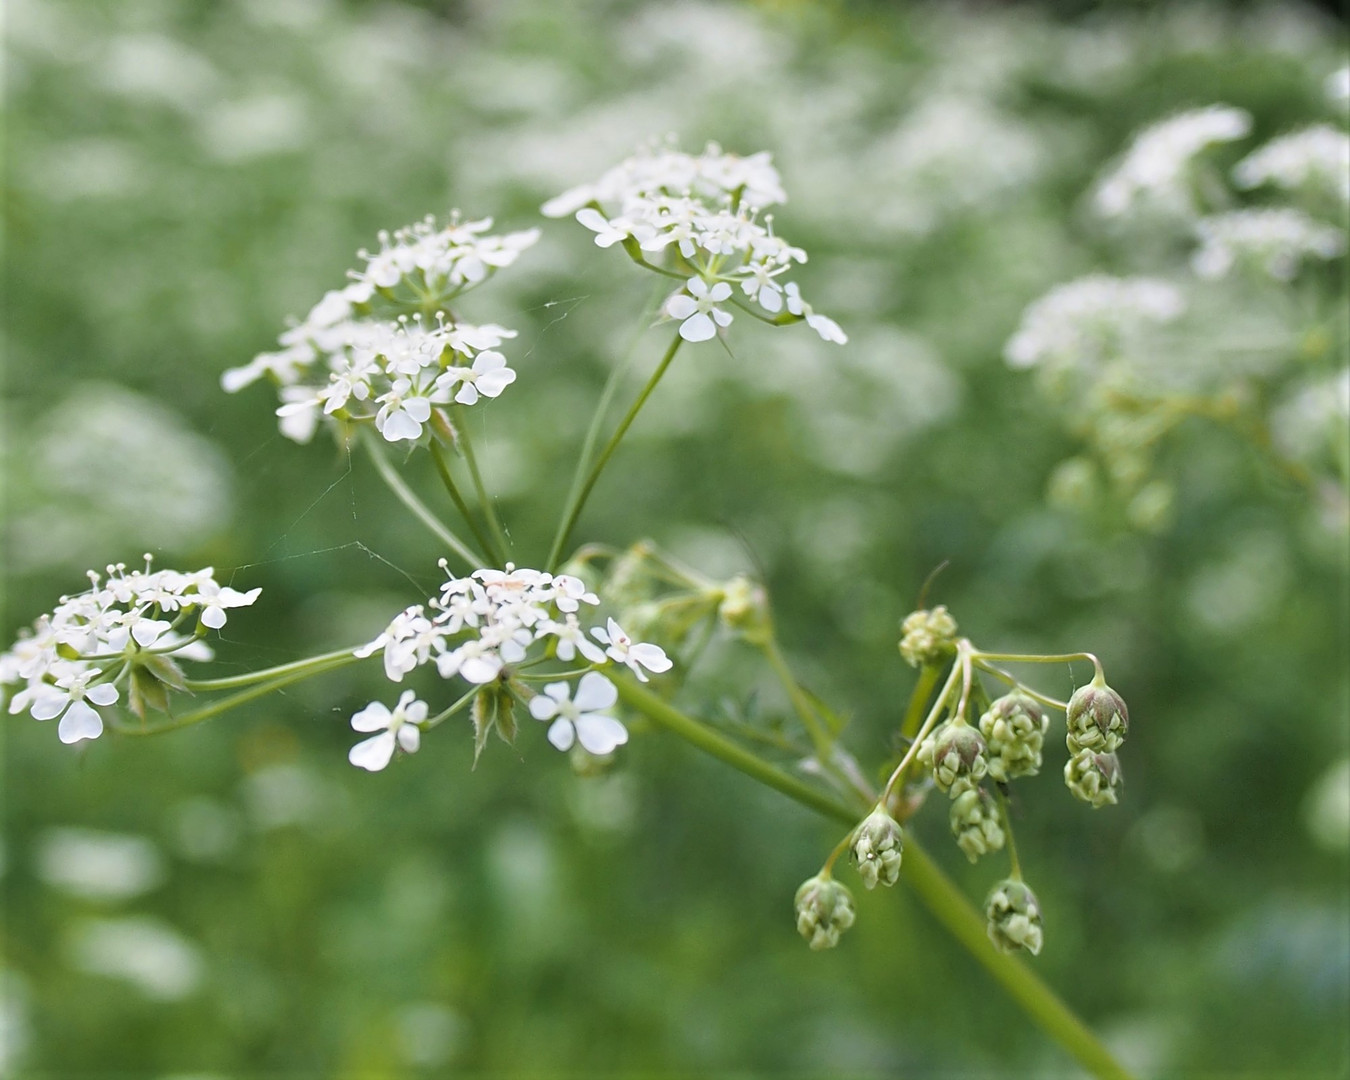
(697, 328)
(494, 382)
(400, 425)
(47, 703)
(147, 631)
(770, 299)
(558, 691)
(409, 737)
(373, 754)
(600, 734)
(652, 657)
(213, 617)
(720, 291)
(543, 708)
(488, 360)
(722, 318)
(102, 694)
(561, 734)
(480, 669)
(591, 218)
(468, 394)
(680, 306)
(374, 717)
(80, 722)
(595, 693)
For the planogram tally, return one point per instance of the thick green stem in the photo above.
(578, 500)
(447, 479)
(502, 545)
(412, 502)
(937, 892)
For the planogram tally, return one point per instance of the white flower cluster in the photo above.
(1277, 239)
(1318, 156)
(709, 209)
(479, 625)
(385, 348)
(74, 658)
(1337, 86)
(1156, 167)
(1080, 321)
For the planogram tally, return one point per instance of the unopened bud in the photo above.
(927, 637)
(976, 823)
(1094, 778)
(1014, 917)
(824, 911)
(956, 754)
(1097, 719)
(745, 608)
(1014, 731)
(877, 848)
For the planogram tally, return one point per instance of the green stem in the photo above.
(323, 662)
(1018, 684)
(577, 501)
(937, 892)
(443, 468)
(336, 660)
(489, 510)
(820, 738)
(928, 678)
(897, 778)
(412, 502)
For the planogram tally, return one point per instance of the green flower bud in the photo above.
(1094, 778)
(1014, 729)
(928, 637)
(1014, 917)
(824, 911)
(744, 607)
(877, 847)
(955, 752)
(976, 823)
(1097, 719)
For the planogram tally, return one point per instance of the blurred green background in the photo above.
(236, 900)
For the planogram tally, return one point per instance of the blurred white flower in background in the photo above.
(96, 865)
(1317, 157)
(108, 469)
(141, 950)
(1276, 239)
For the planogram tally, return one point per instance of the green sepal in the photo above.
(146, 692)
(165, 669)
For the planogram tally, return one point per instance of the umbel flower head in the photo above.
(1014, 731)
(878, 845)
(706, 214)
(976, 823)
(1097, 719)
(386, 349)
(824, 911)
(927, 637)
(956, 754)
(1014, 917)
(1094, 778)
(123, 630)
(477, 627)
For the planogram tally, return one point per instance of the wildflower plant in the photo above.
(1129, 359)
(585, 640)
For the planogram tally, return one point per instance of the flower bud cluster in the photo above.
(928, 637)
(1014, 916)
(976, 823)
(477, 626)
(706, 209)
(824, 911)
(125, 625)
(1097, 724)
(386, 349)
(1094, 778)
(956, 754)
(1014, 731)
(878, 845)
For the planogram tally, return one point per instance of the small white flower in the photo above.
(697, 309)
(396, 729)
(1316, 156)
(79, 721)
(636, 657)
(581, 719)
(488, 377)
(403, 411)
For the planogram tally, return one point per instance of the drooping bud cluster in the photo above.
(125, 629)
(480, 625)
(878, 845)
(976, 823)
(928, 637)
(1097, 719)
(1014, 916)
(956, 754)
(386, 349)
(1094, 778)
(1014, 731)
(824, 911)
(705, 211)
